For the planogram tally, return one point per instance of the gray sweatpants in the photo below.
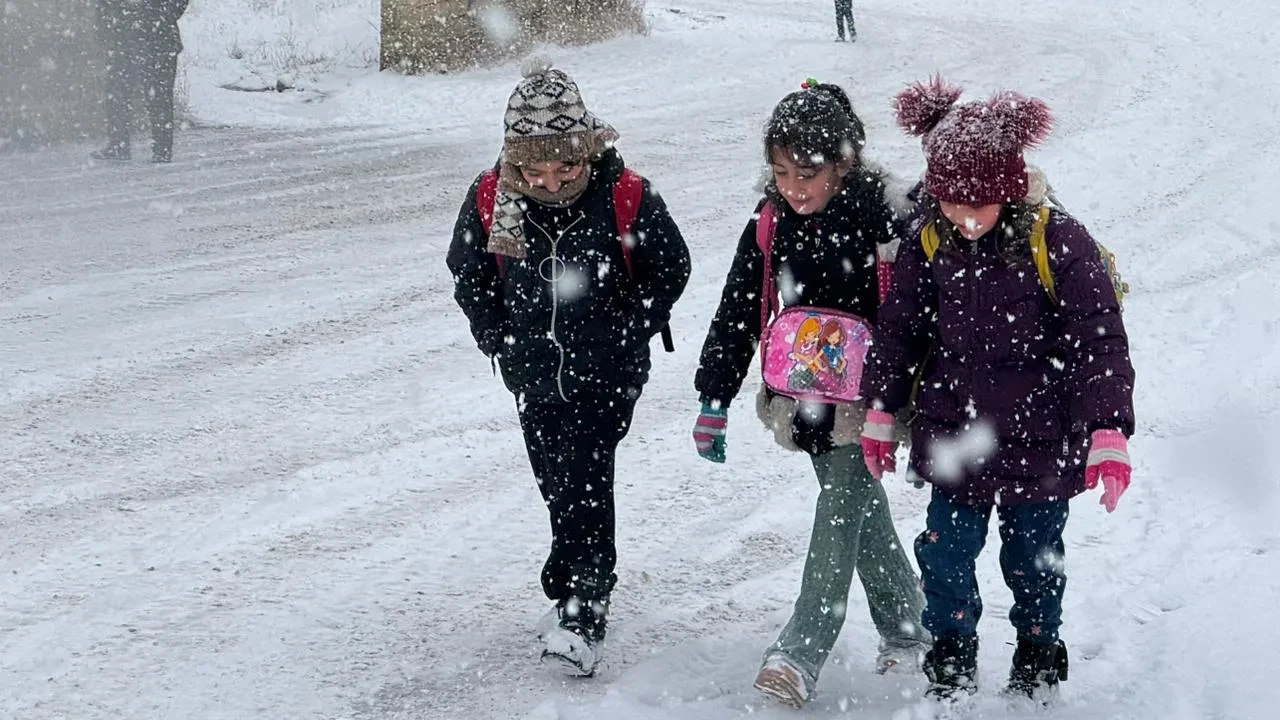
(852, 530)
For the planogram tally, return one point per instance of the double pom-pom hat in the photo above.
(974, 150)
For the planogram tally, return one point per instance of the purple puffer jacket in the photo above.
(1003, 355)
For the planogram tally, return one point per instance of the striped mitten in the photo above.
(708, 431)
(1108, 461)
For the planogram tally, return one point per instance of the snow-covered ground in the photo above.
(251, 465)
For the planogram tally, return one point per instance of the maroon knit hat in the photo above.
(974, 150)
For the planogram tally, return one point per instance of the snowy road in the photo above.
(251, 472)
(251, 465)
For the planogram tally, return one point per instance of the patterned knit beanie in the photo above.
(974, 151)
(546, 121)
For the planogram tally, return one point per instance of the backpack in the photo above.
(812, 353)
(627, 194)
(1040, 254)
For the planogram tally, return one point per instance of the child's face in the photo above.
(552, 175)
(972, 222)
(807, 189)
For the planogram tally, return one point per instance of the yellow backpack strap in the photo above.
(1040, 253)
(930, 240)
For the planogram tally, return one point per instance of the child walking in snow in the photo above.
(831, 216)
(1025, 399)
(567, 308)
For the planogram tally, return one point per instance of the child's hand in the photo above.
(709, 430)
(878, 447)
(1108, 461)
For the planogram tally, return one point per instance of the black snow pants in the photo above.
(152, 69)
(571, 448)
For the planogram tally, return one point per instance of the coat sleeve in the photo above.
(660, 263)
(905, 331)
(477, 285)
(1098, 370)
(735, 330)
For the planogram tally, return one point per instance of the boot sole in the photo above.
(774, 685)
(566, 665)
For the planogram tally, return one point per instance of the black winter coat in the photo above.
(141, 25)
(827, 259)
(588, 333)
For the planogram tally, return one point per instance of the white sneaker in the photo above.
(571, 651)
(905, 660)
(549, 621)
(783, 680)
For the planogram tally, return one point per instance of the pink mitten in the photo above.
(1108, 461)
(878, 447)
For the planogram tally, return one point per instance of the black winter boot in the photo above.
(587, 618)
(952, 667)
(1037, 669)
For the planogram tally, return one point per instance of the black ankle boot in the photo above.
(1037, 668)
(952, 667)
(588, 618)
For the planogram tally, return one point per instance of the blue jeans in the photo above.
(1031, 558)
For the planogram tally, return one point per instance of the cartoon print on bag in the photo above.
(833, 365)
(807, 355)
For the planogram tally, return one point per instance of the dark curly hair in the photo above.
(817, 126)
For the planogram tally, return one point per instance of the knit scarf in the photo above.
(506, 235)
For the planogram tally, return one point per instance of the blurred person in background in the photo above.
(142, 43)
(844, 16)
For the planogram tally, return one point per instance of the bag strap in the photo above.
(627, 193)
(486, 198)
(766, 228)
(886, 255)
(930, 241)
(1040, 254)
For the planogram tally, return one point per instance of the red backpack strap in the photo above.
(486, 197)
(766, 228)
(886, 254)
(627, 194)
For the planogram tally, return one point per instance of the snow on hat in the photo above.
(974, 150)
(546, 119)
